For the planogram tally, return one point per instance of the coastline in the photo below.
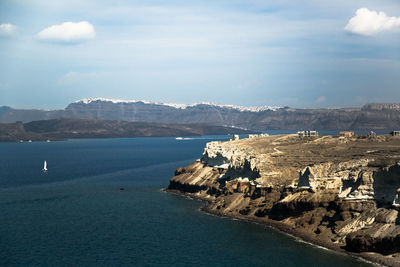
(73, 128)
(332, 192)
(371, 258)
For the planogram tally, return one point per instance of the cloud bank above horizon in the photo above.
(244, 52)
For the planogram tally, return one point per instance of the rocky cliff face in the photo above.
(371, 116)
(340, 193)
(382, 106)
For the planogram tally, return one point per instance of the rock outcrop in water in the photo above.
(342, 193)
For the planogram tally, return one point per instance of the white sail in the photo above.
(45, 166)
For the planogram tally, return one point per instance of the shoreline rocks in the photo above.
(328, 192)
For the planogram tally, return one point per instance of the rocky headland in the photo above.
(338, 192)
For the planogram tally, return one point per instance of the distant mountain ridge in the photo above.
(66, 128)
(369, 117)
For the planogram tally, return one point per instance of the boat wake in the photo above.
(185, 138)
(200, 138)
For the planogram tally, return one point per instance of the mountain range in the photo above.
(369, 117)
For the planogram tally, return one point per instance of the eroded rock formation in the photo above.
(341, 193)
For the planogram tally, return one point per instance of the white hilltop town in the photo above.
(176, 105)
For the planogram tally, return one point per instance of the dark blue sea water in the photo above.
(76, 214)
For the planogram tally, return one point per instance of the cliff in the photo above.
(372, 116)
(342, 193)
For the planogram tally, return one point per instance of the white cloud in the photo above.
(369, 22)
(68, 32)
(7, 29)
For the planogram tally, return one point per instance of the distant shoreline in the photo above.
(66, 128)
(372, 116)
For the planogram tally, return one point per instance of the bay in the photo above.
(76, 213)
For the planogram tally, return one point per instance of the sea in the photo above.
(101, 203)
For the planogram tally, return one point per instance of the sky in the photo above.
(304, 53)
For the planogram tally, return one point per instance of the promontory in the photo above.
(338, 192)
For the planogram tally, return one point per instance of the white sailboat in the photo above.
(45, 166)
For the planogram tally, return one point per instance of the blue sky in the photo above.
(309, 53)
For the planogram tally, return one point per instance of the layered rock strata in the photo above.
(338, 192)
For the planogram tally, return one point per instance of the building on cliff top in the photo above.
(235, 137)
(258, 135)
(395, 133)
(307, 133)
(346, 134)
